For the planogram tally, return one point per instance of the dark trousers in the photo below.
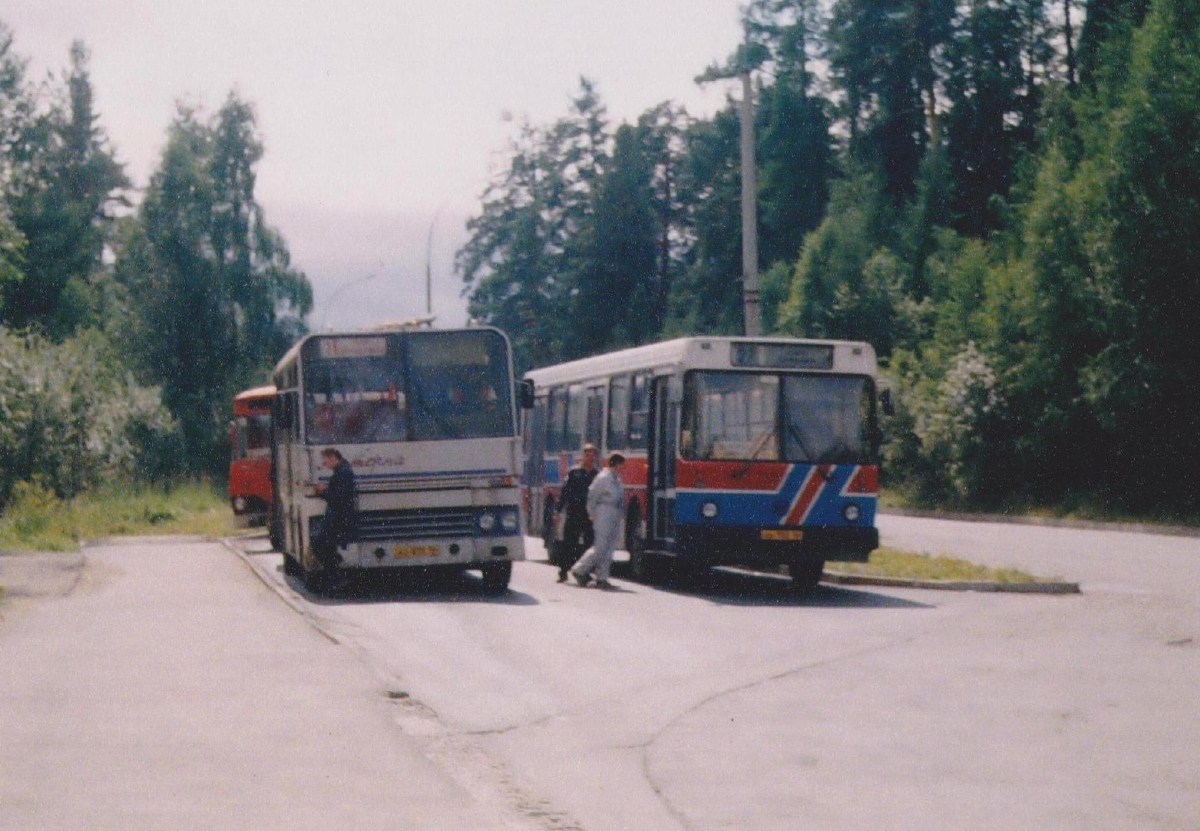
(578, 536)
(325, 544)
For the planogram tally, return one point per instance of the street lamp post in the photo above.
(429, 262)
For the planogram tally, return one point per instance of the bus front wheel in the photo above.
(496, 577)
(641, 565)
(806, 573)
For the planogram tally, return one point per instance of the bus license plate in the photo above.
(781, 534)
(405, 552)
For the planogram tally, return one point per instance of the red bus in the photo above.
(250, 455)
(741, 451)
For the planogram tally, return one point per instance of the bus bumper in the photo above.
(465, 553)
(747, 545)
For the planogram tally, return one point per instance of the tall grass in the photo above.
(36, 520)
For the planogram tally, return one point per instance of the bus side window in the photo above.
(592, 434)
(639, 412)
(618, 413)
(576, 418)
(556, 424)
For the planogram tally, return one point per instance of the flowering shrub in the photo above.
(71, 416)
(958, 428)
(949, 437)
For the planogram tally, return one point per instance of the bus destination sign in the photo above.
(374, 347)
(783, 355)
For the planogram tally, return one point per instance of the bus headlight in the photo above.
(709, 510)
(487, 522)
(851, 512)
(239, 504)
(508, 521)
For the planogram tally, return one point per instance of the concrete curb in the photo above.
(285, 597)
(1050, 522)
(1049, 587)
(147, 539)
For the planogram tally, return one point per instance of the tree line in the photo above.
(126, 324)
(1000, 195)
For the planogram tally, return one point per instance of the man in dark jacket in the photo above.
(340, 523)
(577, 530)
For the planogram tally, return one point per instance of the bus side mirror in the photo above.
(886, 404)
(525, 394)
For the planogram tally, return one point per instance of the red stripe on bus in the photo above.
(814, 482)
(864, 481)
(731, 476)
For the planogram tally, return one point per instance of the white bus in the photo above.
(427, 419)
(752, 451)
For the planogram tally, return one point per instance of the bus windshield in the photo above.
(767, 417)
(411, 386)
(253, 435)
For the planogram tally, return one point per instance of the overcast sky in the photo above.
(378, 115)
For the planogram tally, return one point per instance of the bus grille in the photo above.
(416, 523)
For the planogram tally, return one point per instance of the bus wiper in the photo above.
(759, 444)
(808, 456)
(839, 452)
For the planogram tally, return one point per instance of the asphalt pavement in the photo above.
(161, 685)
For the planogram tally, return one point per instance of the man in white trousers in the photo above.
(605, 503)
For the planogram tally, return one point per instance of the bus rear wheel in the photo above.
(290, 567)
(496, 577)
(806, 573)
(314, 579)
(275, 527)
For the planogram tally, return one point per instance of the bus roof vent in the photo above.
(410, 323)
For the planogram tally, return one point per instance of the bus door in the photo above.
(281, 471)
(535, 464)
(664, 423)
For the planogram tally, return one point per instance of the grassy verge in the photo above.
(37, 521)
(1086, 507)
(892, 562)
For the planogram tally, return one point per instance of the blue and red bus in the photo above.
(759, 452)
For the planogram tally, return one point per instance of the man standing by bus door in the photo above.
(605, 504)
(340, 523)
(578, 533)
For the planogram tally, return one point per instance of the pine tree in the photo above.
(65, 210)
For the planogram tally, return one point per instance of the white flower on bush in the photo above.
(955, 427)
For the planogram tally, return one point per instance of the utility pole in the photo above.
(748, 57)
(750, 319)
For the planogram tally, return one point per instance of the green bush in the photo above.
(72, 417)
